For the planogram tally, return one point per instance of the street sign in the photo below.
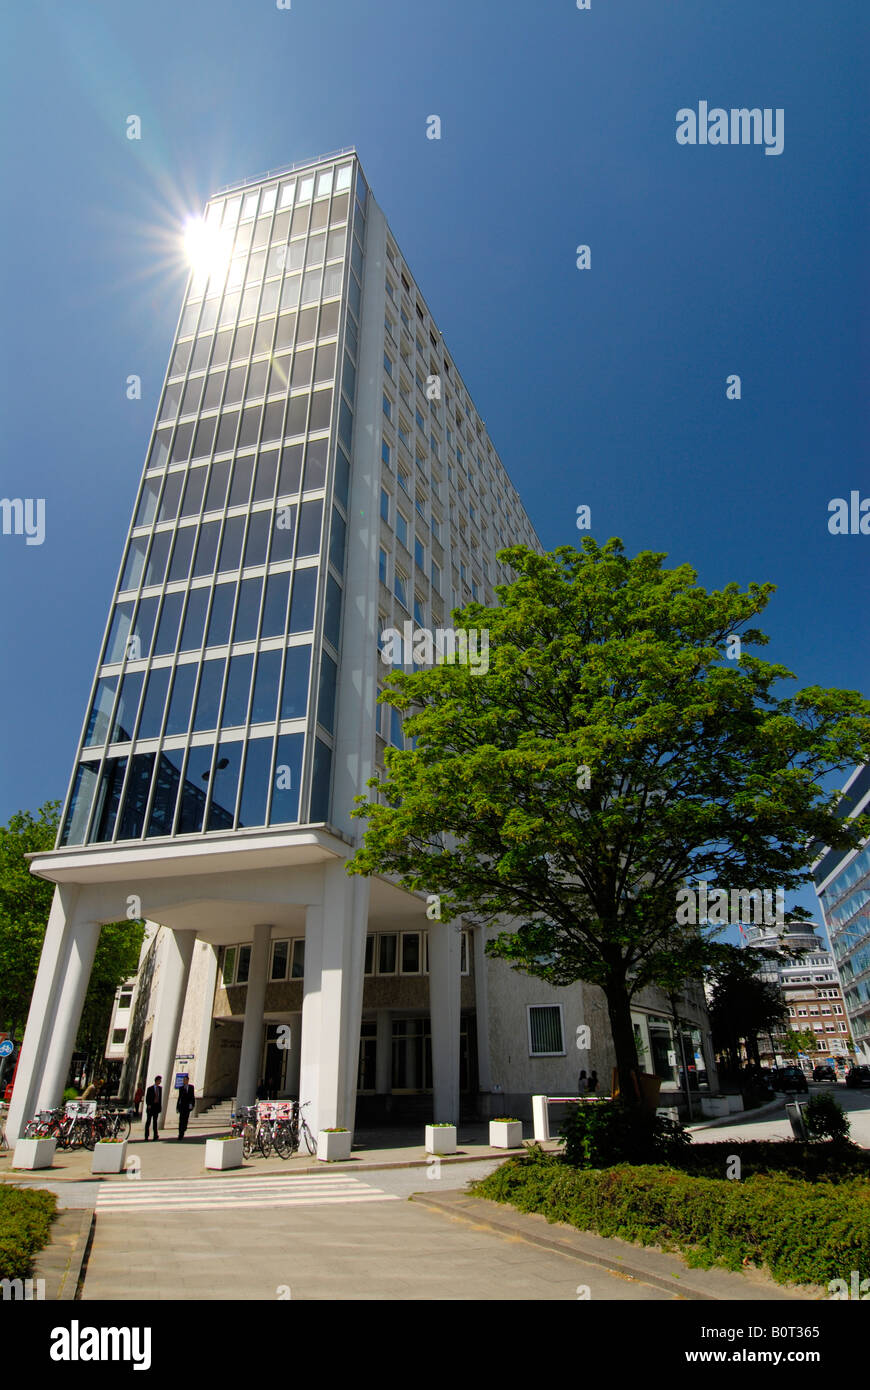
(7, 1047)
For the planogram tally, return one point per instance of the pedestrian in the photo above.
(137, 1099)
(592, 1083)
(582, 1083)
(184, 1105)
(153, 1105)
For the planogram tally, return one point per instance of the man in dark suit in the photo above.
(184, 1105)
(153, 1105)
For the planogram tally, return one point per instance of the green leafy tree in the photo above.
(796, 1041)
(611, 754)
(741, 1005)
(25, 902)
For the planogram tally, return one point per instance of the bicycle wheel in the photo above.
(122, 1127)
(88, 1134)
(249, 1140)
(310, 1141)
(283, 1141)
(264, 1140)
(31, 1129)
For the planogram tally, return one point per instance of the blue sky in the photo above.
(604, 387)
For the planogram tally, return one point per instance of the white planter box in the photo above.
(505, 1134)
(332, 1147)
(34, 1153)
(109, 1158)
(713, 1106)
(735, 1104)
(224, 1153)
(441, 1139)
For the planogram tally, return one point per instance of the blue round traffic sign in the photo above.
(7, 1047)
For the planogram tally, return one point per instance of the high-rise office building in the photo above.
(842, 879)
(317, 473)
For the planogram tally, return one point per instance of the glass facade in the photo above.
(845, 903)
(213, 706)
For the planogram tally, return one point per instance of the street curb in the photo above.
(481, 1212)
(60, 1262)
(358, 1166)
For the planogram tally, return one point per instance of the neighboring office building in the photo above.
(810, 988)
(842, 880)
(317, 472)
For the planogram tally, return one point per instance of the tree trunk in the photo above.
(619, 1012)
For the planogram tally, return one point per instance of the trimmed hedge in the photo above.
(25, 1225)
(813, 1162)
(807, 1233)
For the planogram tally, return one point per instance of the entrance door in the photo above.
(274, 1061)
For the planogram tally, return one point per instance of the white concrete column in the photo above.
(176, 955)
(292, 1054)
(255, 1003)
(481, 1008)
(206, 1029)
(83, 938)
(444, 964)
(335, 930)
(43, 1005)
(384, 1053)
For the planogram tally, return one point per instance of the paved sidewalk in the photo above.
(170, 1159)
(662, 1270)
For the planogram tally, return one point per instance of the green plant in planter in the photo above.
(506, 1120)
(608, 1133)
(442, 1124)
(826, 1119)
(111, 1141)
(336, 1129)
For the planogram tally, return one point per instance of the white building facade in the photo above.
(317, 473)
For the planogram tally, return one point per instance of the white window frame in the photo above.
(529, 1008)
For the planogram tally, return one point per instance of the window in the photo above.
(385, 505)
(436, 577)
(280, 955)
(244, 965)
(387, 944)
(119, 1036)
(229, 965)
(297, 966)
(388, 364)
(411, 956)
(404, 482)
(400, 588)
(420, 554)
(388, 408)
(402, 528)
(125, 998)
(382, 564)
(546, 1034)
(436, 529)
(385, 453)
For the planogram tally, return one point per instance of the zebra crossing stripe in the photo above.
(212, 1194)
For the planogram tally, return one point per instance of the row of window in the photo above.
(207, 787)
(387, 953)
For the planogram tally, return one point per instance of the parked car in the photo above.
(858, 1076)
(824, 1073)
(791, 1079)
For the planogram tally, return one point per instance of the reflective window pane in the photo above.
(128, 704)
(167, 779)
(294, 696)
(238, 688)
(255, 783)
(224, 785)
(194, 791)
(154, 703)
(77, 816)
(302, 600)
(101, 711)
(183, 685)
(264, 707)
(286, 779)
(209, 695)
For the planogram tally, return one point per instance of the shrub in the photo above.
(803, 1232)
(599, 1135)
(25, 1224)
(826, 1119)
